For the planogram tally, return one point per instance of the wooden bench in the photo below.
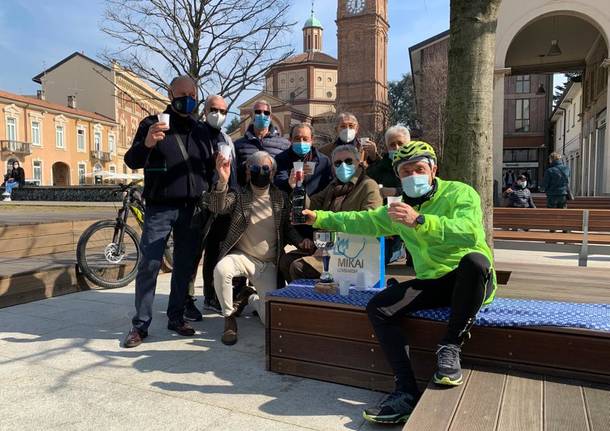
(583, 231)
(580, 202)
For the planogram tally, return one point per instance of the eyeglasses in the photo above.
(260, 111)
(222, 111)
(255, 169)
(348, 162)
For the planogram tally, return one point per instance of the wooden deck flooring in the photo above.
(497, 401)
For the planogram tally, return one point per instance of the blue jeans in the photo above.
(10, 185)
(159, 220)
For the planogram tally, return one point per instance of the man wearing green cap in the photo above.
(441, 224)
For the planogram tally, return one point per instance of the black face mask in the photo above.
(260, 177)
(184, 105)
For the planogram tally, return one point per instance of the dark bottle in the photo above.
(298, 202)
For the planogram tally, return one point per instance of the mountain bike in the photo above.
(108, 251)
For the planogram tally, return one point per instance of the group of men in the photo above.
(233, 207)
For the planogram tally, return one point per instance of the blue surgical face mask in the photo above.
(345, 172)
(391, 155)
(416, 186)
(262, 121)
(301, 148)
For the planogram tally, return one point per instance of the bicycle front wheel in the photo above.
(103, 259)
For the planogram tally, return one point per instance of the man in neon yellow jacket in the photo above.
(441, 224)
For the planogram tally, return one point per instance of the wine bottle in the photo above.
(298, 201)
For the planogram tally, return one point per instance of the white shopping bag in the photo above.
(358, 260)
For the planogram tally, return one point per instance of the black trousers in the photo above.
(464, 290)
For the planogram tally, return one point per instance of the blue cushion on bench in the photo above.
(502, 312)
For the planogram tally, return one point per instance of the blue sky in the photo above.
(38, 32)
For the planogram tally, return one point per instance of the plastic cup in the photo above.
(393, 199)
(311, 166)
(298, 166)
(225, 150)
(344, 289)
(163, 118)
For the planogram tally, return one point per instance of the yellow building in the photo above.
(55, 144)
(109, 90)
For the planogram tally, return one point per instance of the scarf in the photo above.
(340, 191)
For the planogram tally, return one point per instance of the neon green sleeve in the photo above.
(369, 223)
(462, 227)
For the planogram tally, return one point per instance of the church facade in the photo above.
(313, 86)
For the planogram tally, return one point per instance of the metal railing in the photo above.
(102, 156)
(15, 147)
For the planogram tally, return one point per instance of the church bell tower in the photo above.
(362, 85)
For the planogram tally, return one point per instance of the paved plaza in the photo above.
(62, 367)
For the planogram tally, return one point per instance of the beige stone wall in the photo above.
(292, 81)
(325, 84)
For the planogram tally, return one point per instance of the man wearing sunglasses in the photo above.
(259, 230)
(350, 190)
(213, 232)
(260, 136)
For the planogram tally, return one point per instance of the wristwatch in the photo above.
(421, 219)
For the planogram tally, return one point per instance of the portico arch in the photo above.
(524, 28)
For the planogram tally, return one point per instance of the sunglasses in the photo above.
(348, 162)
(260, 111)
(255, 169)
(222, 111)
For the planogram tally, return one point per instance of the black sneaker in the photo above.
(190, 310)
(395, 408)
(449, 371)
(212, 304)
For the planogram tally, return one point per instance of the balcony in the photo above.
(101, 156)
(16, 147)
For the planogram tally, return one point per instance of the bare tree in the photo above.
(225, 45)
(468, 146)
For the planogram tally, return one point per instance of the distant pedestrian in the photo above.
(14, 178)
(519, 196)
(556, 182)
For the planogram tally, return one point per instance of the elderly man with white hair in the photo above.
(259, 230)
(214, 232)
(381, 171)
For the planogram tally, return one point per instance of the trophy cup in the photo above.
(325, 241)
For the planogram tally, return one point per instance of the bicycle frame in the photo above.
(131, 203)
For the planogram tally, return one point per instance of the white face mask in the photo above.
(216, 119)
(347, 135)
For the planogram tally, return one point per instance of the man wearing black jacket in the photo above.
(178, 167)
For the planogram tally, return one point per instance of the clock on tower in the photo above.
(362, 84)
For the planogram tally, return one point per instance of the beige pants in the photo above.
(263, 275)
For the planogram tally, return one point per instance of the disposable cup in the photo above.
(163, 118)
(392, 199)
(344, 289)
(225, 150)
(311, 166)
(298, 166)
